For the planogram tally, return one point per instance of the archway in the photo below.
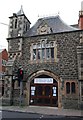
(44, 89)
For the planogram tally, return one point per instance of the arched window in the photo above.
(73, 87)
(67, 87)
(15, 23)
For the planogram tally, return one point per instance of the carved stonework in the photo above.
(44, 29)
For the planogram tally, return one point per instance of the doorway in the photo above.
(44, 91)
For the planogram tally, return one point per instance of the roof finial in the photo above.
(20, 12)
(21, 8)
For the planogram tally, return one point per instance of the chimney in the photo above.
(80, 21)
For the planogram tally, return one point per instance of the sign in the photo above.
(32, 88)
(43, 80)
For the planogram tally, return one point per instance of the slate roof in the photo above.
(55, 22)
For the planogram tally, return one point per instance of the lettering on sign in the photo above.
(43, 80)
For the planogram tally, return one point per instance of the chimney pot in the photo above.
(80, 21)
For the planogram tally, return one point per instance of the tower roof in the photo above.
(20, 12)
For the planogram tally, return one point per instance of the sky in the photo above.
(35, 9)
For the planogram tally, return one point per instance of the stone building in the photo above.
(50, 53)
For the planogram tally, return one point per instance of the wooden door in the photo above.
(43, 94)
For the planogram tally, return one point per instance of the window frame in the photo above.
(73, 88)
(68, 88)
(72, 92)
(15, 24)
(43, 46)
(81, 56)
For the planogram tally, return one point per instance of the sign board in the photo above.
(43, 80)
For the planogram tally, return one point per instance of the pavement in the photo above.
(44, 110)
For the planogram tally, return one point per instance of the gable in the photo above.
(44, 28)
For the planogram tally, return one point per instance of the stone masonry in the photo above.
(64, 67)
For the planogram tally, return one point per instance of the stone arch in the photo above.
(45, 72)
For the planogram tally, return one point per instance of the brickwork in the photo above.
(3, 61)
(3, 56)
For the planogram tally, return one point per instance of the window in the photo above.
(72, 87)
(39, 53)
(48, 53)
(26, 27)
(81, 72)
(2, 88)
(52, 52)
(4, 62)
(43, 53)
(15, 23)
(67, 87)
(82, 65)
(81, 56)
(43, 50)
(43, 44)
(34, 54)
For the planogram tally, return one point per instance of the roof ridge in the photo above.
(47, 17)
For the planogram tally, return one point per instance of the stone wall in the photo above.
(65, 67)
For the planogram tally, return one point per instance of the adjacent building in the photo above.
(51, 55)
(3, 61)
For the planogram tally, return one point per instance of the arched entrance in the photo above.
(44, 89)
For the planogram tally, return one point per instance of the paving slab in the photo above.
(44, 110)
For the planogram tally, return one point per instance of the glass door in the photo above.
(44, 94)
(47, 90)
(47, 95)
